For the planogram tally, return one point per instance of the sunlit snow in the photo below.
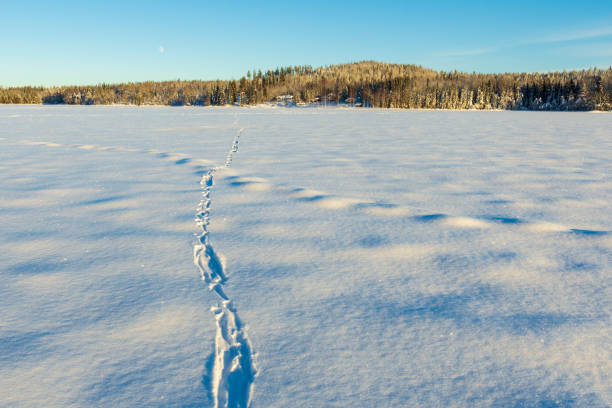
(375, 258)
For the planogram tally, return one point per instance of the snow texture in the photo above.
(377, 258)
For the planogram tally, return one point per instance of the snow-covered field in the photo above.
(369, 258)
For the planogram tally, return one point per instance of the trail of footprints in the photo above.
(334, 202)
(233, 366)
(175, 158)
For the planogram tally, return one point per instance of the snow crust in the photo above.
(376, 258)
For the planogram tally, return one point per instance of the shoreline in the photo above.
(274, 106)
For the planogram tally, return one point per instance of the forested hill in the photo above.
(367, 84)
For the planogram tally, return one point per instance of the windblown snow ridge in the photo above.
(233, 364)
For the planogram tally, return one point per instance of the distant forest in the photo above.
(366, 84)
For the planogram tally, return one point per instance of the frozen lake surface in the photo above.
(369, 258)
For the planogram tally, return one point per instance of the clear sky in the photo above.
(89, 42)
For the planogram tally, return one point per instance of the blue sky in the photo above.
(89, 42)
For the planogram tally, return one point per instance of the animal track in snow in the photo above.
(171, 157)
(333, 202)
(330, 201)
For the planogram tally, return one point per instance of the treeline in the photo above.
(367, 84)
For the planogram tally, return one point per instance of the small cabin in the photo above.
(284, 98)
